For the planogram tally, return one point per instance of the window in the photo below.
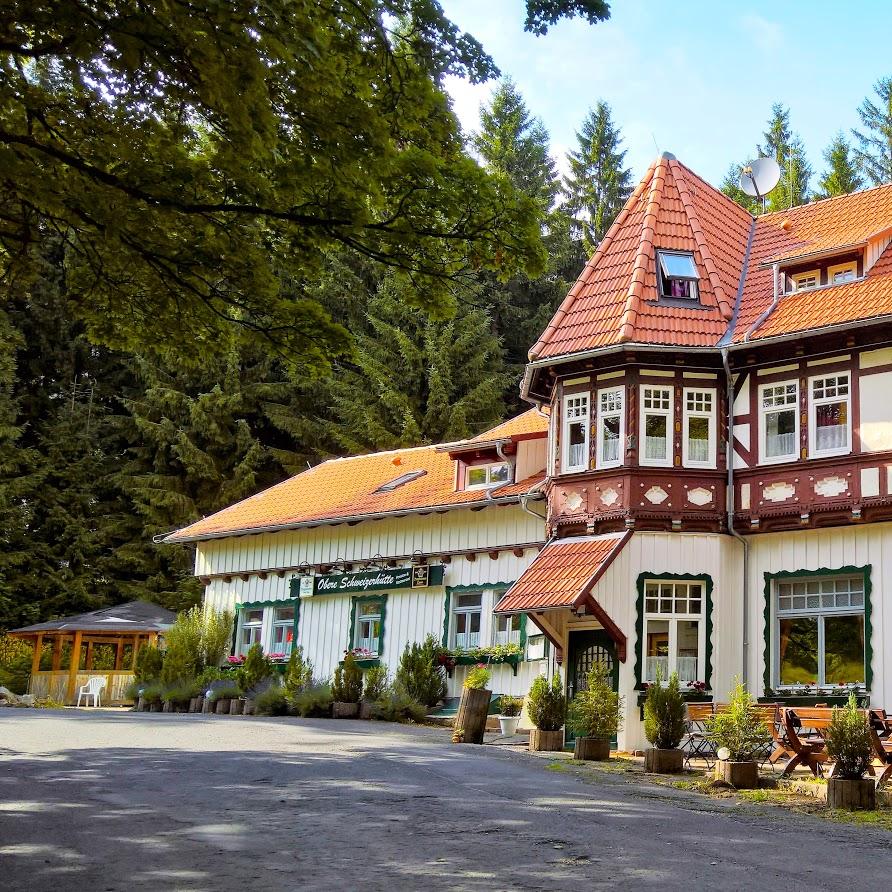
(480, 476)
(283, 630)
(677, 275)
(802, 281)
(368, 625)
(611, 427)
(842, 273)
(507, 629)
(252, 629)
(674, 633)
(779, 421)
(537, 647)
(699, 443)
(829, 430)
(402, 480)
(466, 623)
(575, 433)
(819, 631)
(656, 425)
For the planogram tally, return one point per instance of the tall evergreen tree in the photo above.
(874, 150)
(598, 184)
(842, 175)
(731, 187)
(787, 149)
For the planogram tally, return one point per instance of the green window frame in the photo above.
(498, 589)
(354, 615)
(643, 578)
(293, 601)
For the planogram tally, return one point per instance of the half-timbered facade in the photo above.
(719, 472)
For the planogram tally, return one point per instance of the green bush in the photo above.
(510, 706)
(546, 705)
(178, 666)
(596, 710)
(374, 683)
(739, 728)
(180, 694)
(153, 692)
(200, 639)
(398, 705)
(664, 722)
(477, 678)
(313, 702)
(254, 670)
(418, 673)
(299, 673)
(347, 684)
(149, 661)
(216, 637)
(227, 693)
(131, 692)
(210, 675)
(849, 741)
(271, 702)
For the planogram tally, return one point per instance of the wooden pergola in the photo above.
(133, 624)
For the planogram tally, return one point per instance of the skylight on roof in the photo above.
(678, 275)
(402, 480)
(678, 266)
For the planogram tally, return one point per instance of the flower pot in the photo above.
(248, 708)
(473, 709)
(591, 749)
(743, 775)
(344, 710)
(236, 706)
(222, 707)
(546, 741)
(851, 794)
(508, 725)
(365, 710)
(663, 761)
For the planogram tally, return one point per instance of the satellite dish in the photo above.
(759, 177)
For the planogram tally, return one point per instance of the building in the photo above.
(719, 478)
(373, 552)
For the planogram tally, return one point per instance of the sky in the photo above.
(697, 79)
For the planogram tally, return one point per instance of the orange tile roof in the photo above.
(527, 425)
(615, 298)
(559, 573)
(347, 487)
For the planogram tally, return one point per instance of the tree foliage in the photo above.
(842, 174)
(418, 675)
(874, 150)
(788, 150)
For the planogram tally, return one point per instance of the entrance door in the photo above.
(584, 650)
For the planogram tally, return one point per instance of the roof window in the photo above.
(842, 272)
(806, 280)
(678, 275)
(402, 480)
(479, 476)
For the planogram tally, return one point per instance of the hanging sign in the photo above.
(388, 578)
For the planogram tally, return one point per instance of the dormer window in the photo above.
(483, 476)
(842, 273)
(678, 275)
(803, 281)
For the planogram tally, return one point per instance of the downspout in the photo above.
(729, 502)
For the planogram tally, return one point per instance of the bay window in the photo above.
(674, 630)
(283, 630)
(611, 427)
(779, 421)
(819, 631)
(656, 425)
(368, 626)
(829, 428)
(507, 629)
(467, 612)
(251, 629)
(575, 433)
(699, 440)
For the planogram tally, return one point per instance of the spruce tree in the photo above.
(598, 184)
(731, 187)
(787, 149)
(874, 150)
(842, 175)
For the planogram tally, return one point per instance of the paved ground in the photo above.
(118, 800)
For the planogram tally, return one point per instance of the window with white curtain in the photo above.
(779, 421)
(611, 426)
(699, 439)
(830, 432)
(467, 611)
(252, 629)
(506, 629)
(656, 425)
(674, 632)
(575, 433)
(283, 630)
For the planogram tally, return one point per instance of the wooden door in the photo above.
(584, 650)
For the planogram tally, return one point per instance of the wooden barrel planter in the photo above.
(852, 795)
(341, 710)
(248, 707)
(591, 749)
(663, 761)
(743, 775)
(236, 706)
(546, 741)
(473, 709)
(222, 707)
(207, 705)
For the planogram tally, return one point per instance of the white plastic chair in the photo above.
(92, 688)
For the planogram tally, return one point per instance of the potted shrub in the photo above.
(547, 709)
(509, 714)
(850, 745)
(473, 708)
(594, 715)
(664, 727)
(374, 686)
(346, 688)
(221, 698)
(738, 733)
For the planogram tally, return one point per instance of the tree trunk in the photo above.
(546, 741)
(473, 709)
(591, 749)
(851, 794)
(663, 761)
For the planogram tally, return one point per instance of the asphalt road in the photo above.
(120, 801)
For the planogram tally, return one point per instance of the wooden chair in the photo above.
(697, 743)
(778, 747)
(882, 753)
(810, 751)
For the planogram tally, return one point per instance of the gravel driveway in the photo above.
(111, 800)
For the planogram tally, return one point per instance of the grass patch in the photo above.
(881, 818)
(557, 766)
